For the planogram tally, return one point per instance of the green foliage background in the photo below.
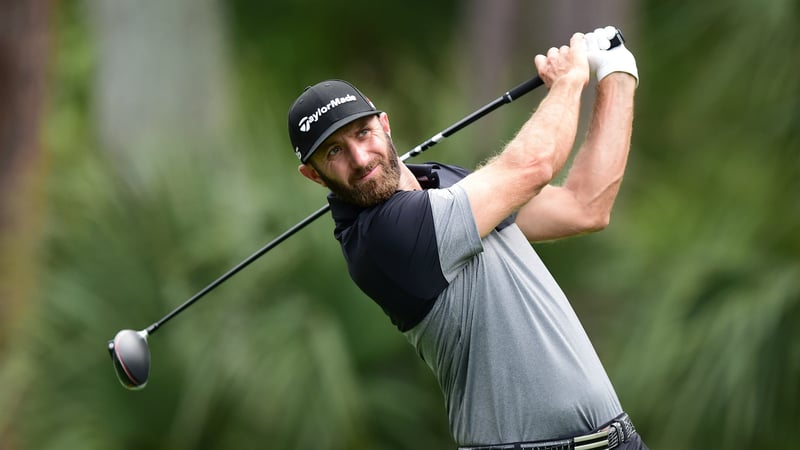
(692, 296)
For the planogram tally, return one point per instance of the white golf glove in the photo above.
(603, 60)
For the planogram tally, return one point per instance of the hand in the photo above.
(565, 62)
(604, 61)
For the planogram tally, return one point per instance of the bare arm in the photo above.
(540, 148)
(584, 202)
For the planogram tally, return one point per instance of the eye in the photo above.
(333, 151)
(364, 131)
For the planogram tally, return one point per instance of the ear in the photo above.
(384, 118)
(309, 172)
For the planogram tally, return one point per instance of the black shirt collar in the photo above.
(343, 212)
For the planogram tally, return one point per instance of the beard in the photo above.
(375, 190)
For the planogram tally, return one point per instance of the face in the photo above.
(358, 163)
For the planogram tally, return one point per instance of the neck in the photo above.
(408, 182)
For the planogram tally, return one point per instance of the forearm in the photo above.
(599, 165)
(528, 162)
(548, 135)
(541, 146)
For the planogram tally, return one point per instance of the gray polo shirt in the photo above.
(506, 347)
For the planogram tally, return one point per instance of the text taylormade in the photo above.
(305, 122)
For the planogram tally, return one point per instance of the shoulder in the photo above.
(403, 217)
(392, 256)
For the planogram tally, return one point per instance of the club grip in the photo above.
(523, 88)
(617, 40)
(535, 82)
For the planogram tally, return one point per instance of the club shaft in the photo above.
(506, 98)
(285, 235)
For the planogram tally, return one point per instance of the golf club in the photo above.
(129, 350)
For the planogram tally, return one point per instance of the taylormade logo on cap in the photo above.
(305, 122)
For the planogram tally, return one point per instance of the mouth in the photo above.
(368, 173)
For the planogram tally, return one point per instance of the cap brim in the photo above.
(334, 127)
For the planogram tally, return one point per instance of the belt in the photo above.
(617, 432)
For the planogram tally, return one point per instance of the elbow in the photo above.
(595, 221)
(600, 222)
(590, 218)
(593, 207)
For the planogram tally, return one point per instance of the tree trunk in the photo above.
(161, 76)
(24, 52)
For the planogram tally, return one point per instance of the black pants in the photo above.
(634, 443)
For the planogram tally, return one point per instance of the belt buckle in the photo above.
(616, 435)
(607, 438)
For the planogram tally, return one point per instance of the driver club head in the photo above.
(131, 357)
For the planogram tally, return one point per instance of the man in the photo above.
(446, 252)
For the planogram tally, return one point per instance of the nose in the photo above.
(359, 155)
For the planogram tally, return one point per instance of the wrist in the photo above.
(570, 81)
(622, 80)
(618, 60)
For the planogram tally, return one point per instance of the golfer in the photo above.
(446, 252)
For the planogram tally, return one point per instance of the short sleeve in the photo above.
(457, 235)
(392, 255)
